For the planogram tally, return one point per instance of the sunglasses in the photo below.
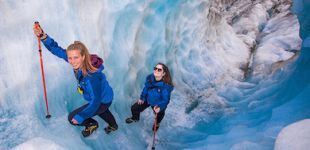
(158, 69)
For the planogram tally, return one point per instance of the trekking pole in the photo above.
(155, 122)
(37, 25)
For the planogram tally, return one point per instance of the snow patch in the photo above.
(295, 136)
(39, 143)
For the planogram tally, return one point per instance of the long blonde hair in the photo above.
(86, 65)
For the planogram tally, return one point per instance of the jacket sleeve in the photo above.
(53, 47)
(144, 91)
(93, 87)
(166, 93)
(143, 94)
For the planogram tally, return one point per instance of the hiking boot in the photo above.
(89, 130)
(109, 129)
(130, 120)
(157, 126)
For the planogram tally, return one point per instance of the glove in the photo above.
(38, 31)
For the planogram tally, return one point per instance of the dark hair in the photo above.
(167, 77)
(86, 65)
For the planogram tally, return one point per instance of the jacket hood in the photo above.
(97, 62)
(160, 83)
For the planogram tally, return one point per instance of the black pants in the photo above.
(136, 109)
(103, 112)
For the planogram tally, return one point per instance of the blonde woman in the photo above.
(91, 84)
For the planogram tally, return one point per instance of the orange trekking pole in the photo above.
(155, 122)
(37, 25)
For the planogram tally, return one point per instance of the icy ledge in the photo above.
(296, 136)
(38, 144)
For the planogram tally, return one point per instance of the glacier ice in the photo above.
(237, 67)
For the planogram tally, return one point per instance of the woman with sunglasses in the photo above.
(92, 84)
(156, 93)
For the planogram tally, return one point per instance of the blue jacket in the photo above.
(96, 89)
(156, 93)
